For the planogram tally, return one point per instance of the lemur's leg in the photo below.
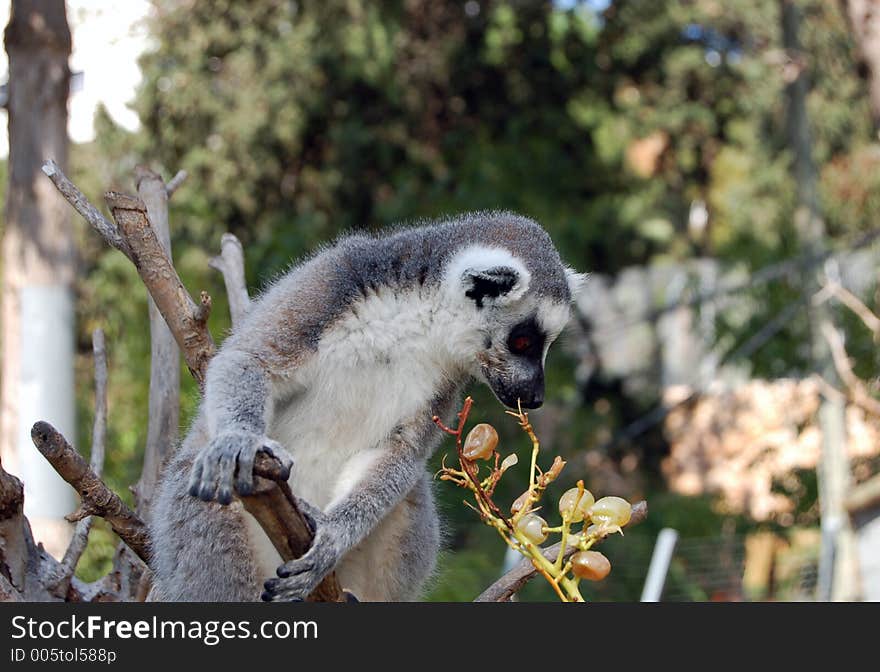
(397, 465)
(237, 410)
(201, 550)
(398, 557)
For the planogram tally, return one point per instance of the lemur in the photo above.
(337, 370)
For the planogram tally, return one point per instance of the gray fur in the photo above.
(381, 529)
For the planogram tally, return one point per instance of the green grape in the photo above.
(531, 526)
(567, 503)
(611, 511)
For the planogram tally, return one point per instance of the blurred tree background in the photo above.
(604, 120)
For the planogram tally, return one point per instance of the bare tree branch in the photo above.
(97, 498)
(230, 263)
(134, 236)
(27, 571)
(512, 582)
(82, 205)
(851, 301)
(175, 182)
(275, 508)
(8, 593)
(96, 461)
(163, 415)
(856, 389)
(13, 542)
(184, 317)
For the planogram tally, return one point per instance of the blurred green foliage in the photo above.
(297, 120)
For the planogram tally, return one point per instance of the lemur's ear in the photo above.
(489, 275)
(576, 282)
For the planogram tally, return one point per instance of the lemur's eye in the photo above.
(520, 344)
(526, 339)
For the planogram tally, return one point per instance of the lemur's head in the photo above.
(516, 294)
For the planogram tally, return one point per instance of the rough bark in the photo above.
(97, 498)
(186, 319)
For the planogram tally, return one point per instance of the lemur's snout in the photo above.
(531, 397)
(528, 393)
(528, 402)
(535, 401)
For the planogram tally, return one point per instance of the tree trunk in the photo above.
(837, 574)
(38, 264)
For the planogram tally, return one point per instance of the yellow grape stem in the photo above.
(546, 567)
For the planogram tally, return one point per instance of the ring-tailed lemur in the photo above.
(337, 370)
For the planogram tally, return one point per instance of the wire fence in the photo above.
(715, 569)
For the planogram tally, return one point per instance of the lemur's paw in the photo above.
(314, 516)
(229, 461)
(297, 579)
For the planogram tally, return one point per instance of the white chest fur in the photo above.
(376, 368)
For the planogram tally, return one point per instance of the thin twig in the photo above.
(851, 301)
(82, 205)
(230, 262)
(512, 582)
(96, 461)
(97, 498)
(175, 182)
(856, 390)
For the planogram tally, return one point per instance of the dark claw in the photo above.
(206, 493)
(349, 597)
(266, 596)
(244, 489)
(224, 496)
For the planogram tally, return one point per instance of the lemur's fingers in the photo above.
(276, 450)
(244, 476)
(298, 578)
(312, 514)
(290, 589)
(195, 478)
(225, 474)
(210, 471)
(227, 466)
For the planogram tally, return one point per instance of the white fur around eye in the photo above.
(478, 259)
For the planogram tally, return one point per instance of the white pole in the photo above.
(660, 560)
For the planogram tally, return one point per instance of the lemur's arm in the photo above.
(277, 334)
(237, 407)
(399, 464)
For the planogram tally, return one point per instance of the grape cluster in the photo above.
(525, 530)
